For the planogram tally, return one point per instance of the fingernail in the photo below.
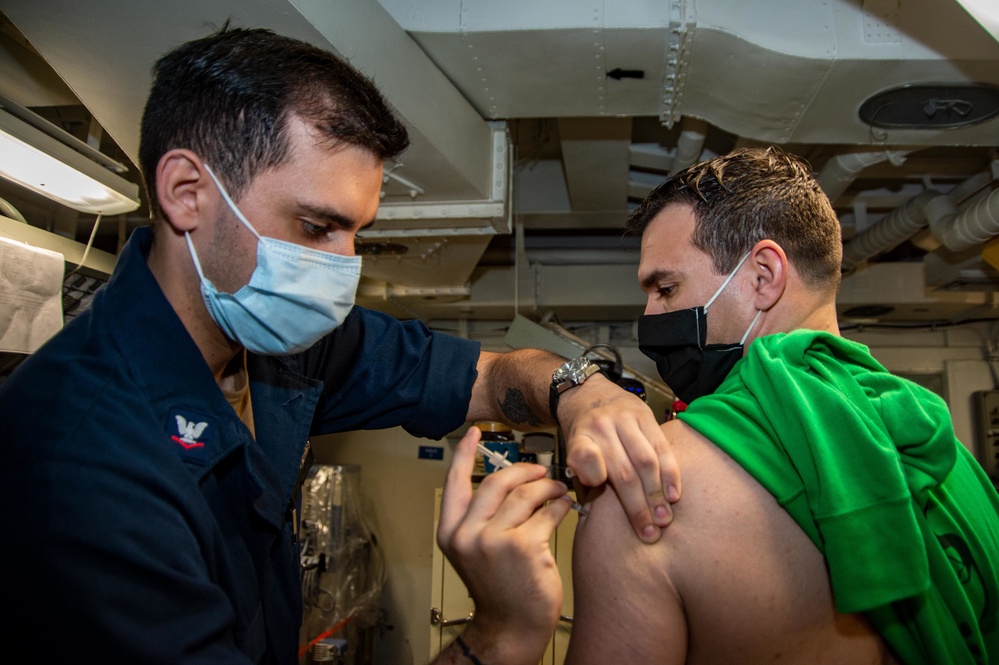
(663, 515)
(651, 532)
(672, 494)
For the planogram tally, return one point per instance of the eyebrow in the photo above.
(657, 276)
(333, 217)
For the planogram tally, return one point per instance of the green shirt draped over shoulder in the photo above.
(868, 465)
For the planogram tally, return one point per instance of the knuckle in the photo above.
(582, 455)
(462, 543)
(625, 476)
(645, 461)
(493, 544)
(527, 494)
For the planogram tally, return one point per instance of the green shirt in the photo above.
(868, 466)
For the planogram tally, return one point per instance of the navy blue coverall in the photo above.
(141, 520)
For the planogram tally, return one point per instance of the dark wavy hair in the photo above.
(750, 195)
(228, 97)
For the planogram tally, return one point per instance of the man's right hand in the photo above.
(497, 539)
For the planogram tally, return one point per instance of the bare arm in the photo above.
(626, 609)
(611, 435)
(733, 580)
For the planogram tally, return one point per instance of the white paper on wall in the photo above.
(30, 295)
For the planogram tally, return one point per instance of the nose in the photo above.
(652, 306)
(347, 245)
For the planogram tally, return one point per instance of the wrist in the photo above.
(571, 374)
(467, 652)
(506, 647)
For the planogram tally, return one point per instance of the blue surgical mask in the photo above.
(295, 295)
(677, 342)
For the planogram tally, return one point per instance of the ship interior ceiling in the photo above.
(537, 129)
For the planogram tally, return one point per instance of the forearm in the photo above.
(513, 388)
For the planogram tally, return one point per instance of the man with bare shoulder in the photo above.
(829, 513)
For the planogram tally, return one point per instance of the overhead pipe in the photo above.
(961, 230)
(843, 169)
(898, 225)
(955, 229)
(690, 145)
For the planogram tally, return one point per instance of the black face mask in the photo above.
(676, 341)
(690, 367)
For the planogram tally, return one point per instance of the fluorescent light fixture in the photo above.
(45, 165)
(986, 12)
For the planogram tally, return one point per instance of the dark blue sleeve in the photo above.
(379, 372)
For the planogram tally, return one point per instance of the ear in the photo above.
(770, 269)
(184, 189)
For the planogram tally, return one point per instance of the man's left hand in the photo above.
(612, 436)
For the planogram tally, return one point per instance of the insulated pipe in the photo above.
(842, 170)
(955, 230)
(898, 225)
(961, 230)
(689, 146)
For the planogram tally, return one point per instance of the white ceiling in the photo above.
(527, 154)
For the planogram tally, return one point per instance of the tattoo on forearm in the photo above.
(515, 408)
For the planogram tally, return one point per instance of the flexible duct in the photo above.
(954, 229)
(900, 224)
(842, 170)
(973, 226)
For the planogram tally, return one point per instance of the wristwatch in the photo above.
(569, 375)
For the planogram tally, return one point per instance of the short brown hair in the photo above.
(228, 98)
(749, 195)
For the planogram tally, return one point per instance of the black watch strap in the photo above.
(553, 394)
(569, 375)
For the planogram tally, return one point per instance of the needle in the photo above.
(501, 462)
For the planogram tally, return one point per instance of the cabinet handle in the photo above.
(565, 618)
(436, 619)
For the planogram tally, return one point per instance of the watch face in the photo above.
(578, 365)
(573, 369)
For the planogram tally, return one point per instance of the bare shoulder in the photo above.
(733, 579)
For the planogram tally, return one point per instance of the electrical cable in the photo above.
(86, 250)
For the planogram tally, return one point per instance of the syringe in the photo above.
(501, 462)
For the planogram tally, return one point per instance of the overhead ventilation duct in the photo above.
(840, 171)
